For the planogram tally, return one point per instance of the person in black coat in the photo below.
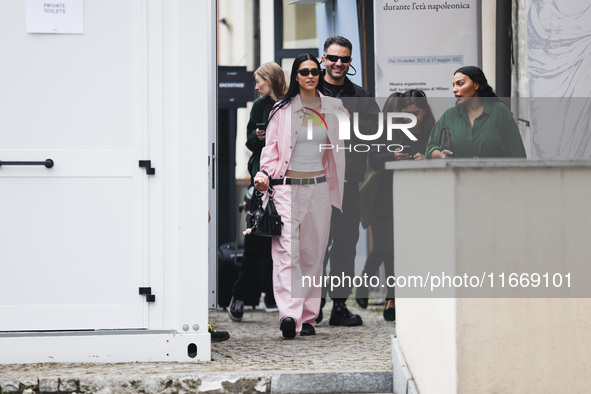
(257, 264)
(344, 230)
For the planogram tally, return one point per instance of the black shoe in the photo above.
(236, 310)
(218, 336)
(320, 316)
(361, 296)
(340, 316)
(389, 313)
(362, 302)
(288, 327)
(307, 330)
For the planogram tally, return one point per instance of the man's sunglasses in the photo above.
(305, 71)
(335, 58)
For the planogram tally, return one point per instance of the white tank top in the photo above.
(307, 156)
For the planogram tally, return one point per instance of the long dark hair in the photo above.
(418, 98)
(391, 104)
(477, 76)
(294, 86)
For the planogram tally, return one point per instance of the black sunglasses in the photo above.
(305, 71)
(335, 58)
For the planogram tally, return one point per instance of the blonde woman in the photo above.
(257, 264)
(271, 85)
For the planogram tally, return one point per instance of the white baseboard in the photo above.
(403, 381)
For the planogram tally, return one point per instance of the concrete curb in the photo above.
(165, 384)
(340, 382)
(274, 383)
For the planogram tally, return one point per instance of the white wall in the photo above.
(489, 21)
(235, 48)
(495, 217)
(267, 31)
(426, 328)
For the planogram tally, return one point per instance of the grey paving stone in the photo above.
(29, 383)
(48, 384)
(340, 382)
(9, 385)
(68, 385)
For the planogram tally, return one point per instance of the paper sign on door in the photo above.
(55, 16)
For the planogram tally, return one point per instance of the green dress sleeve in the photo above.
(433, 142)
(513, 142)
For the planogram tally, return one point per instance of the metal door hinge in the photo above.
(147, 164)
(147, 291)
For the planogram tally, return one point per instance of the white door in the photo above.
(73, 237)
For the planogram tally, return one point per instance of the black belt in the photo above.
(298, 181)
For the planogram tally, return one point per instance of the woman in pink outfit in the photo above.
(304, 161)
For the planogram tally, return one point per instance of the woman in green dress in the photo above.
(479, 125)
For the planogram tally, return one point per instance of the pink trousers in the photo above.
(299, 252)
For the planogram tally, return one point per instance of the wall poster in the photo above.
(419, 45)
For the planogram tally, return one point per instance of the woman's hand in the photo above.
(261, 134)
(446, 153)
(398, 155)
(419, 156)
(441, 154)
(261, 183)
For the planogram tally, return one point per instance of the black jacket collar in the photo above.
(346, 90)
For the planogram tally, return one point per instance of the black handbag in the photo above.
(444, 139)
(263, 222)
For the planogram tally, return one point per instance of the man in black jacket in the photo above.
(344, 229)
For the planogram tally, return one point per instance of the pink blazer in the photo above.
(280, 139)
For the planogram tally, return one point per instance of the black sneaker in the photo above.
(218, 336)
(340, 316)
(270, 305)
(236, 310)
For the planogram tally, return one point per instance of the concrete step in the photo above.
(256, 359)
(276, 383)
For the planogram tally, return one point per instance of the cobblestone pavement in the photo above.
(255, 347)
(256, 344)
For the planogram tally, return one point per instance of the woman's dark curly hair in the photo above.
(477, 76)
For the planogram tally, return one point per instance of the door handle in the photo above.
(47, 163)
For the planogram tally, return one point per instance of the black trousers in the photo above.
(342, 242)
(383, 251)
(256, 273)
(382, 231)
